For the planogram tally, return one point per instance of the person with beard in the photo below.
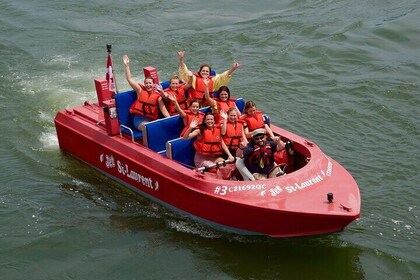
(258, 157)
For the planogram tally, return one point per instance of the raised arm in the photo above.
(158, 88)
(162, 108)
(177, 107)
(248, 134)
(192, 131)
(234, 67)
(189, 82)
(130, 80)
(181, 55)
(224, 78)
(244, 139)
(280, 144)
(209, 100)
(242, 144)
(224, 116)
(183, 69)
(270, 132)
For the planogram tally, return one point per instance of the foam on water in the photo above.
(193, 228)
(49, 140)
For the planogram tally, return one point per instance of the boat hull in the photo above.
(291, 205)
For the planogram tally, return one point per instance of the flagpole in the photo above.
(108, 49)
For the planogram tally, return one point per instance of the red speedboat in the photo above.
(319, 197)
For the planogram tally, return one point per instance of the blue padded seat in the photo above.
(165, 84)
(123, 103)
(240, 103)
(266, 119)
(157, 133)
(181, 150)
(205, 109)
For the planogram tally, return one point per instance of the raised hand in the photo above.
(158, 87)
(194, 123)
(223, 115)
(180, 55)
(126, 60)
(172, 97)
(235, 65)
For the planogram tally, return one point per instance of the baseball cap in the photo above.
(258, 131)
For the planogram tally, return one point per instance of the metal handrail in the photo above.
(131, 132)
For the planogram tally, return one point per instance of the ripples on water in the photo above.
(343, 74)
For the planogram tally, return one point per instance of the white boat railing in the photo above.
(129, 129)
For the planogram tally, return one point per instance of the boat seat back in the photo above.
(157, 133)
(181, 150)
(123, 103)
(165, 84)
(267, 119)
(240, 103)
(177, 149)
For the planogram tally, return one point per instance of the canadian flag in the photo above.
(110, 75)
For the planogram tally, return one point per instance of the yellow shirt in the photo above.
(218, 80)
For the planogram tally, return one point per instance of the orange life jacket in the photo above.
(190, 116)
(233, 135)
(146, 105)
(225, 105)
(255, 121)
(197, 93)
(210, 143)
(180, 97)
(222, 106)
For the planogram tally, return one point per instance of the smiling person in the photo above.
(221, 104)
(258, 156)
(254, 120)
(149, 102)
(179, 91)
(209, 145)
(198, 86)
(193, 113)
(233, 132)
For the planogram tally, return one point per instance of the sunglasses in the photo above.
(259, 137)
